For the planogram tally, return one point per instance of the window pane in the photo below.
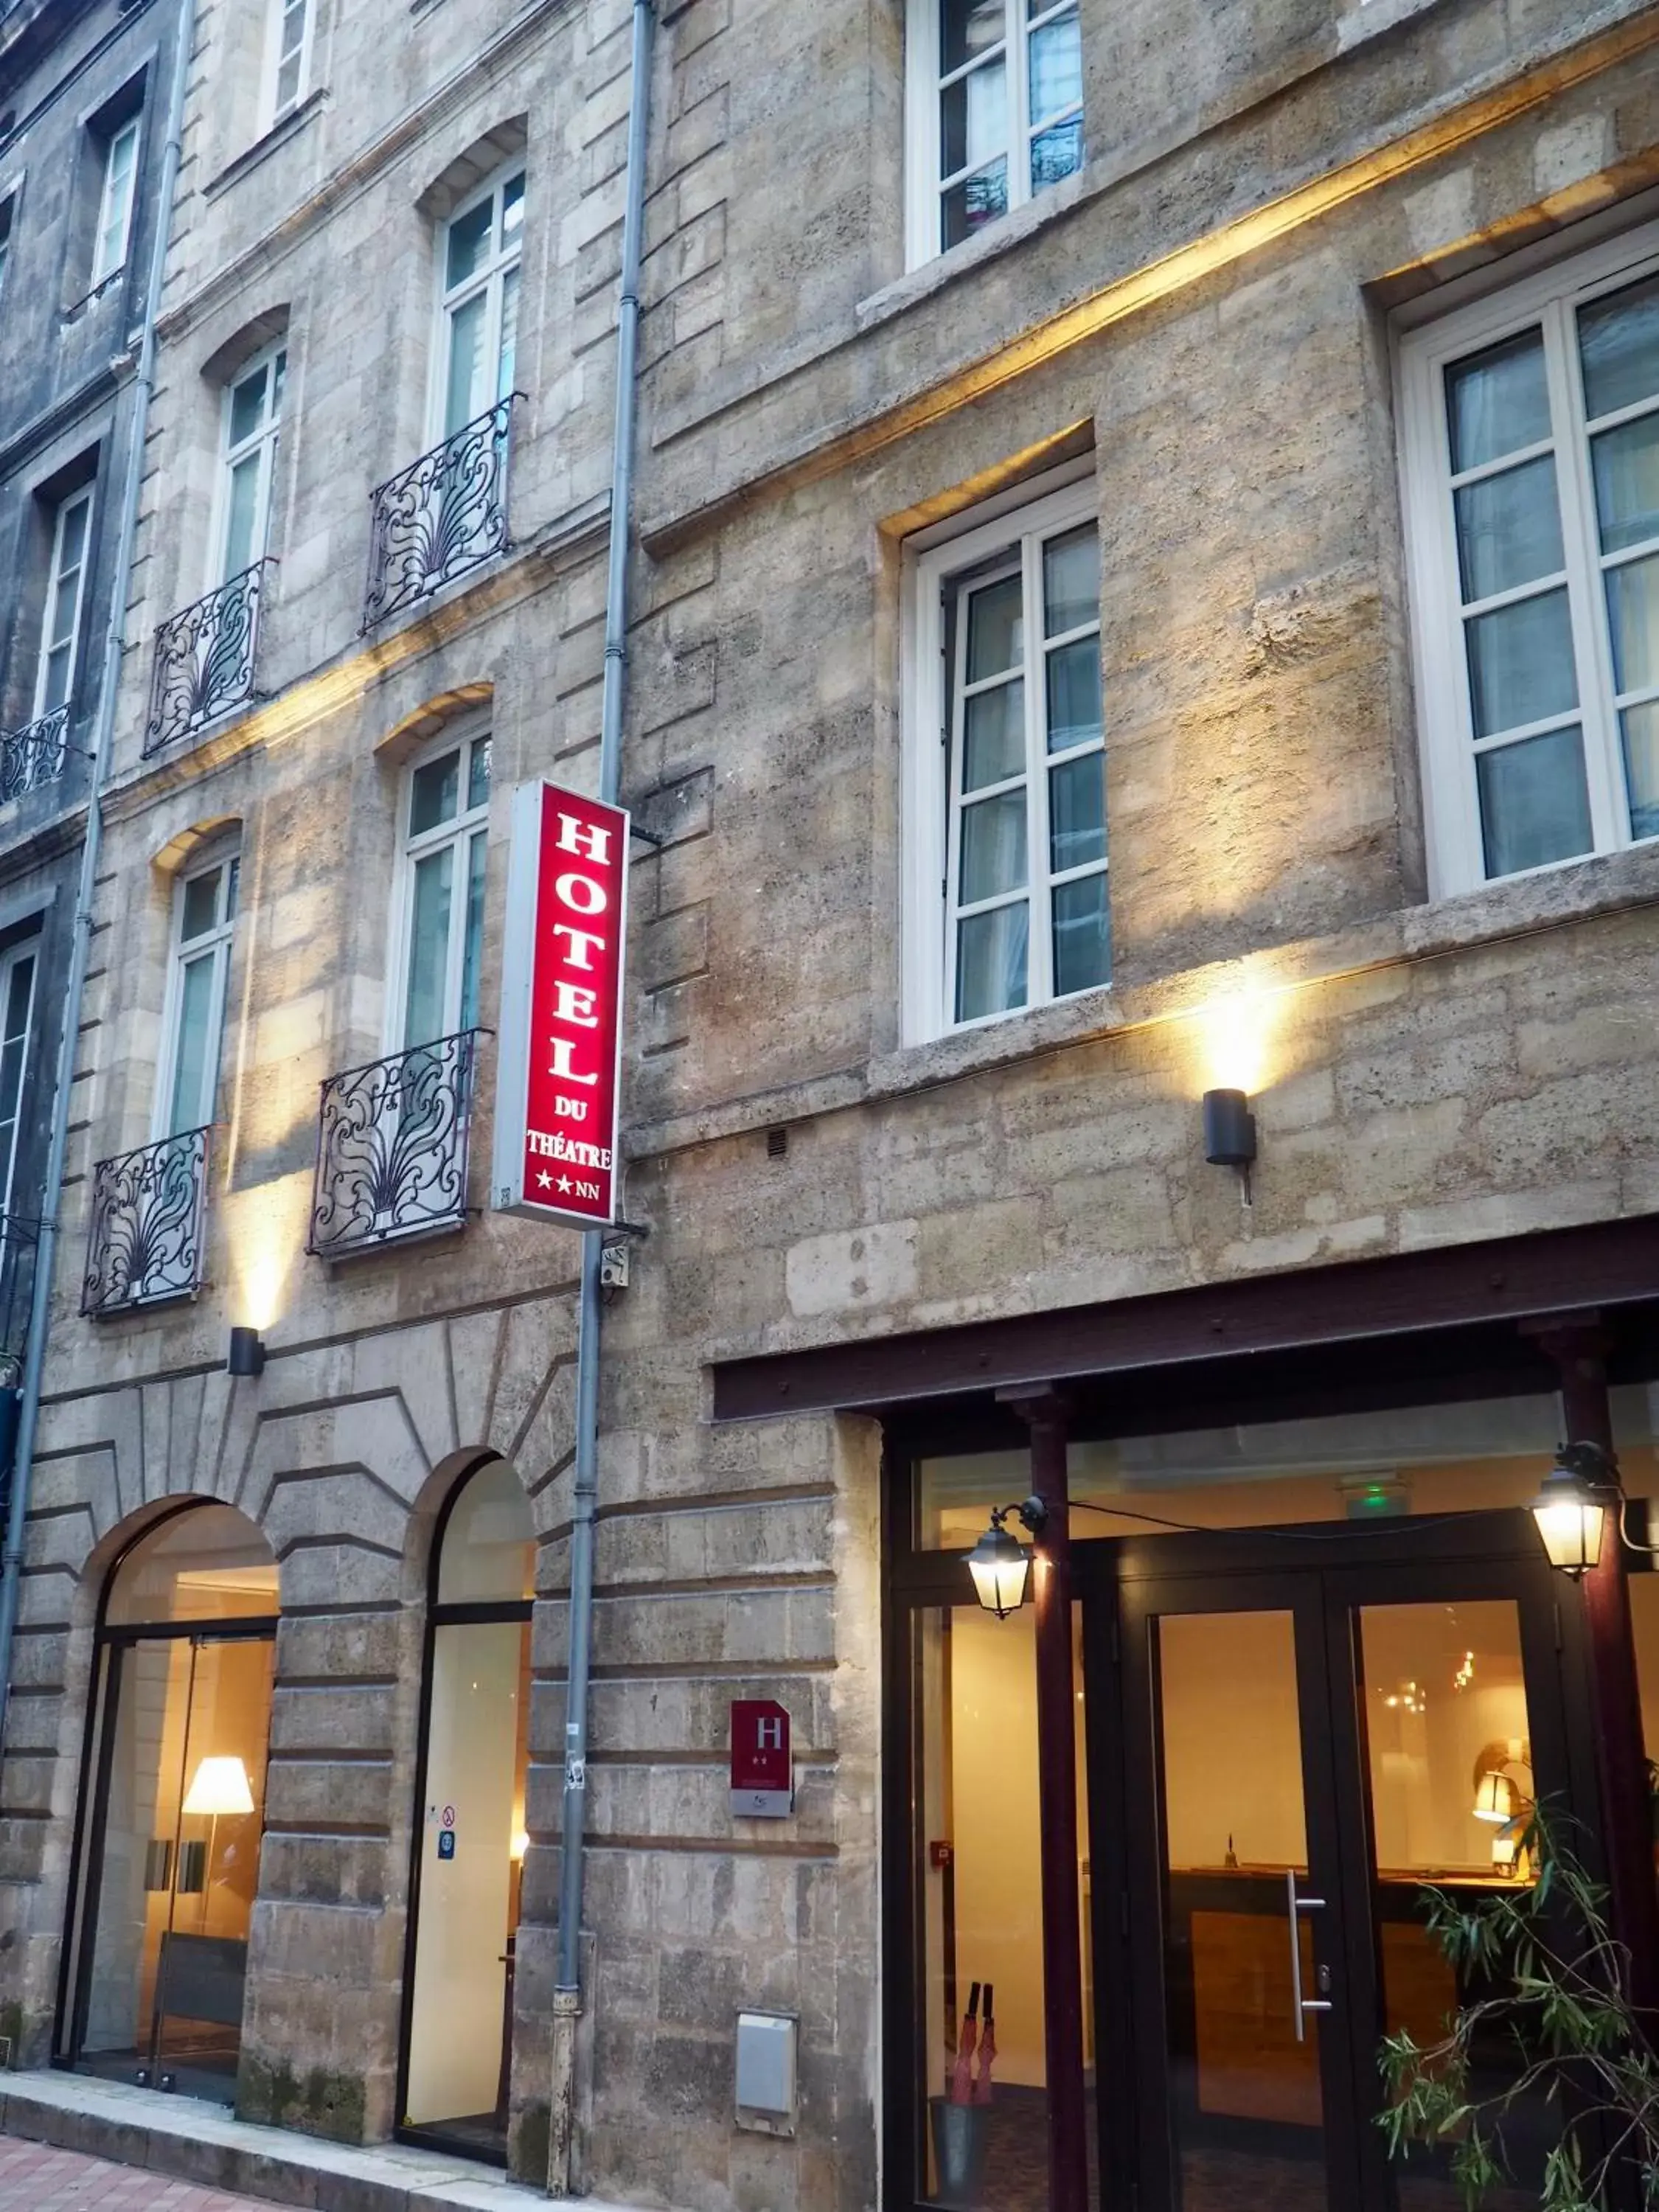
(993, 848)
(973, 119)
(1634, 617)
(465, 388)
(469, 244)
(477, 775)
(1641, 730)
(201, 905)
(996, 628)
(74, 542)
(1521, 665)
(242, 513)
(232, 880)
(192, 1090)
(1498, 401)
(1627, 465)
(968, 28)
(512, 206)
(1056, 153)
(1618, 345)
(994, 744)
(434, 793)
(976, 201)
(59, 663)
(1534, 806)
(247, 405)
(18, 994)
(428, 948)
(1074, 694)
(1083, 941)
(991, 961)
(1508, 528)
(1077, 812)
(507, 356)
(1071, 580)
(1056, 67)
(288, 80)
(473, 947)
(61, 626)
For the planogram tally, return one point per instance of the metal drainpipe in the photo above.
(566, 1992)
(109, 684)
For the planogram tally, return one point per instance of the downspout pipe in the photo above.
(109, 681)
(566, 1991)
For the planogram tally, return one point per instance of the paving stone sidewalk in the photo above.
(34, 2177)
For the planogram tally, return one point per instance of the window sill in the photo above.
(1361, 19)
(997, 238)
(278, 135)
(99, 290)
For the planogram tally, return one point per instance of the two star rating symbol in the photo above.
(545, 1181)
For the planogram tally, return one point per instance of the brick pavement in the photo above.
(33, 2178)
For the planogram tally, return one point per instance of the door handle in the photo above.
(1301, 2006)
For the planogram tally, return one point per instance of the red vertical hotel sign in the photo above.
(561, 1033)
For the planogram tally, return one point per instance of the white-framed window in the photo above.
(17, 968)
(287, 57)
(252, 423)
(479, 303)
(204, 918)
(441, 894)
(1530, 478)
(995, 112)
(1006, 903)
(115, 200)
(60, 620)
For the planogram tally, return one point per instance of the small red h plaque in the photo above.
(762, 1774)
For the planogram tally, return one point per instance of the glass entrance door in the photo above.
(1303, 1754)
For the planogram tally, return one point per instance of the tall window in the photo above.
(5, 237)
(1007, 826)
(446, 819)
(115, 200)
(253, 408)
(479, 316)
(1531, 461)
(60, 626)
(288, 59)
(995, 90)
(203, 912)
(16, 1007)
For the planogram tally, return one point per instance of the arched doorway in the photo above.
(470, 1813)
(167, 1853)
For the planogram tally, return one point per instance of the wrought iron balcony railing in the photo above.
(391, 1149)
(148, 1210)
(205, 659)
(441, 516)
(33, 755)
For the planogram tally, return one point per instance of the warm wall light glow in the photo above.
(265, 1231)
(1235, 1036)
(520, 1844)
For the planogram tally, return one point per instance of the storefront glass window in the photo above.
(208, 1563)
(979, 1890)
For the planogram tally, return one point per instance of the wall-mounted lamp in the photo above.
(1571, 1508)
(247, 1352)
(1229, 1130)
(1001, 1564)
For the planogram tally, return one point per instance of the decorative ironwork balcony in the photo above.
(205, 659)
(148, 1210)
(33, 755)
(441, 516)
(391, 1150)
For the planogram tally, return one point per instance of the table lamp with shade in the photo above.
(219, 1786)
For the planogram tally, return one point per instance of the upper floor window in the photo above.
(478, 308)
(5, 237)
(16, 1009)
(288, 57)
(995, 93)
(115, 200)
(60, 626)
(1531, 474)
(203, 914)
(253, 407)
(1006, 827)
(446, 822)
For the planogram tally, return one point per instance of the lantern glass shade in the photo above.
(220, 1786)
(1001, 1568)
(1494, 1800)
(1569, 1518)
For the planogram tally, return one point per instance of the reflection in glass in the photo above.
(994, 746)
(1077, 812)
(1640, 728)
(973, 119)
(1056, 51)
(1497, 402)
(1056, 153)
(1521, 663)
(991, 961)
(968, 28)
(1535, 803)
(428, 947)
(1508, 528)
(469, 244)
(995, 628)
(1633, 619)
(1618, 345)
(1071, 580)
(1082, 940)
(488, 1553)
(993, 853)
(1626, 462)
(1073, 677)
(975, 201)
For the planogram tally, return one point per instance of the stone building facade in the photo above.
(900, 1166)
